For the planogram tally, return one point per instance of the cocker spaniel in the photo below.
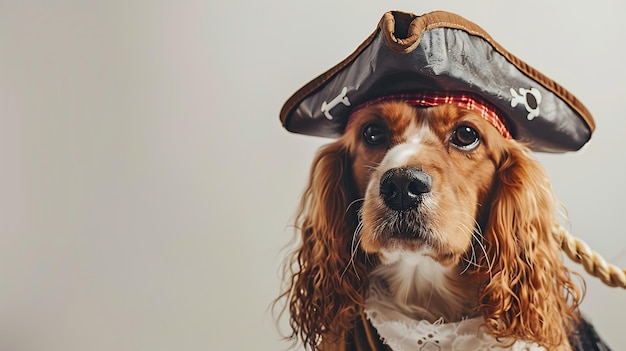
(427, 221)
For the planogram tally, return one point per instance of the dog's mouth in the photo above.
(405, 230)
(405, 226)
(408, 233)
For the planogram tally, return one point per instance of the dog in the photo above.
(427, 217)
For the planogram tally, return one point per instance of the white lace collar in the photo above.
(405, 334)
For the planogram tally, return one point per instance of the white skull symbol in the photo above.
(530, 98)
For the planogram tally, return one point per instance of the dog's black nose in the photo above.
(402, 188)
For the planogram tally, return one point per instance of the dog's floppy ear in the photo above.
(530, 294)
(325, 292)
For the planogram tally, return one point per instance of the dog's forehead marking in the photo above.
(416, 131)
(408, 144)
(399, 155)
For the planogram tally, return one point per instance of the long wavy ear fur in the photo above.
(325, 279)
(530, 294)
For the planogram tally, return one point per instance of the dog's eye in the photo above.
(465, 138)
(374, 134)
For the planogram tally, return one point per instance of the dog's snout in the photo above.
(402, 188)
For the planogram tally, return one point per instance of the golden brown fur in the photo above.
(486, 223)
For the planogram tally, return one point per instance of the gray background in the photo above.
(147, 187)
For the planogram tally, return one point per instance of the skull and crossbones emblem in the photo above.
(530, 98)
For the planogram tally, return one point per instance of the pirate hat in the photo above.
(444, 53)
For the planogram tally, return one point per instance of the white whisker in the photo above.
(356, 201)
(356, 241)
(478, 235)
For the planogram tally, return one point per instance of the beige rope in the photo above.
(579, 252)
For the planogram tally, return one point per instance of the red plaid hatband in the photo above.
(429, 99)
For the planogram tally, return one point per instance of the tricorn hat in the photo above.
(444, 53)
